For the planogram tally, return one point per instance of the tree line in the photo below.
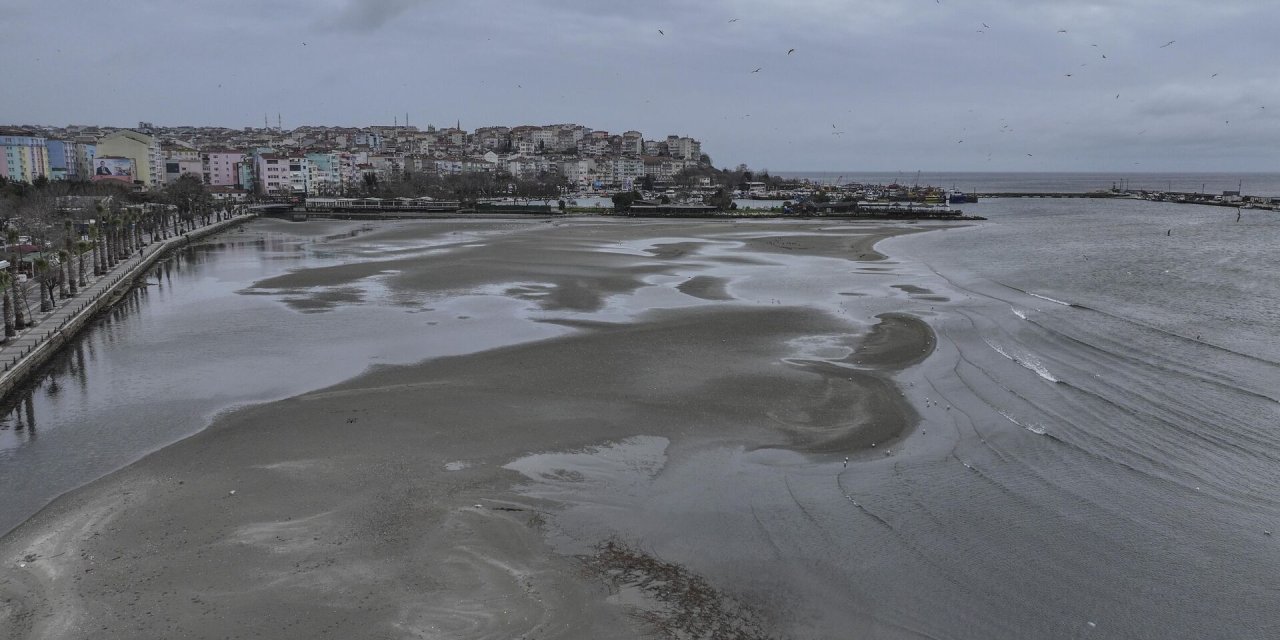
(57, 232)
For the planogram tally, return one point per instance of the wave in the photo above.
(1036, 295)
(1027, 362)
(1033, 428)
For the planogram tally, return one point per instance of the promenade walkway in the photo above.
(20, 354)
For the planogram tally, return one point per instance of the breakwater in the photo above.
(23, 354)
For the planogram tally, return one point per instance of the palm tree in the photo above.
(19, 300)
(64, 277)
(40, 267)
(9, 329)
(69, 242)
(83, 247)
(108, 248)
(97, 253)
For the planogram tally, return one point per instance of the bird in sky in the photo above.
(660, 32)
(733, 20)
(1214, 75)
(757, 70)
(986, 25)
(1062, 30)
(790, 51)
(1104, 56)
(1167, 44)
(1117, 96)
(1068, 75)
(1029, 155)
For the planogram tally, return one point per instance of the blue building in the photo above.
(62, 160)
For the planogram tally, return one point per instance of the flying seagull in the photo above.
(660, 31)
(1062, 30)
(1214, 75)
(790, 51)
(757, 70)
(986, 25)
(1166, 44)
(733, 20)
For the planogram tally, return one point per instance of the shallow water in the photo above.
(196, 341)
(1097, 452)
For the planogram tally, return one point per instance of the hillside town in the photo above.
(332, 161)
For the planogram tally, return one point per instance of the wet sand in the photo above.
(386, 506)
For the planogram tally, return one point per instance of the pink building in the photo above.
(222, 167)
(272, 174)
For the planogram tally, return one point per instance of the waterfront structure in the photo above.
(174, 169)
(62, 159)
(325, 173)
(271, 174)
(299, 175)
(220, 167)
(86, 148)
(143, 149)
(683, 147)
(632, 143)
(319, 160)
(24, 156)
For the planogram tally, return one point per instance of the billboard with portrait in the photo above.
(113, 168)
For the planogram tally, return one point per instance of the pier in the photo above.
(23, 354)
(1055, 194)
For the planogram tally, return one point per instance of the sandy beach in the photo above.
(482, 495)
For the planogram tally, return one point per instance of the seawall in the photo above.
(23, 354)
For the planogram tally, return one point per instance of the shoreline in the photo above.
(110, 288)
(376, 484)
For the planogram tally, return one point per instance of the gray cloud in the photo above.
(905, 80)
(367, 15)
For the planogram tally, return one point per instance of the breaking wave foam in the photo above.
(1028, 362)
(1033, 428)
(1036, 295)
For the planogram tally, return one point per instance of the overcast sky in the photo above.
(872, 84)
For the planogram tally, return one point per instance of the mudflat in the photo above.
(486, 495)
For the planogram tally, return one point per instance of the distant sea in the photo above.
(1254, 184)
